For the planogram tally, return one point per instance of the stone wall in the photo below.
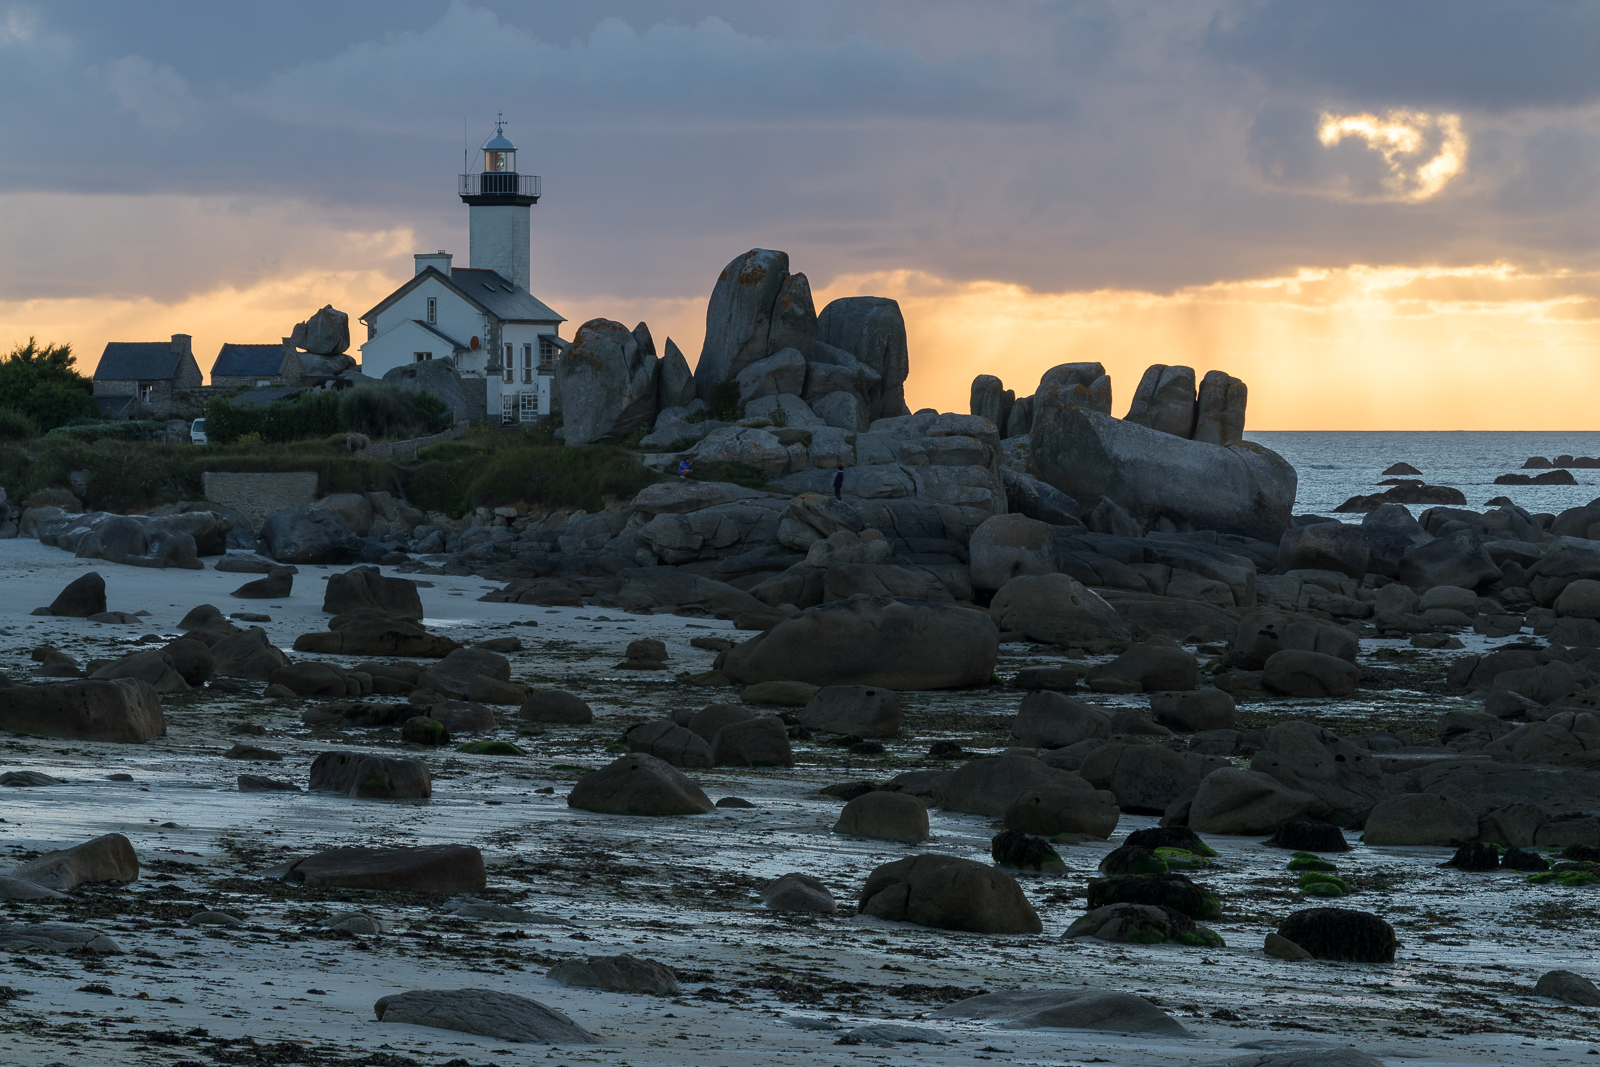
(259, 495)
(407, 449)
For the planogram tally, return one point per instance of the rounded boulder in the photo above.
(949, 893)
(886, 816)
(1420, 819)
(1309, 674)
(890, 642)
(639, 784)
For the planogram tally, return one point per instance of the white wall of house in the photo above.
(398, 337)
(398, 345)
(454, 317)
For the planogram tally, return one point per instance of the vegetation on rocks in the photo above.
(374, 410)
(490, 468)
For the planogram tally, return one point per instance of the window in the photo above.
(147, 392)
(420, 356)
(527, 364)
(547, 351)
(433, 310)
(262, 383)
(508, 370)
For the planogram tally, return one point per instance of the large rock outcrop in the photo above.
(436, 377)
(1236, 489)
(786, 363)
(326, 333)
(607, 383)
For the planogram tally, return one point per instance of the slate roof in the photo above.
(505, 300)
(484, 288)
(260, 361)
(129, 360)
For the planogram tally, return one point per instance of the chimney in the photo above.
(439, 261)
(180, 344)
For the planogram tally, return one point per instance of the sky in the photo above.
(1379, 215)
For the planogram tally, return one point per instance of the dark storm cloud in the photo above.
(1477, 54)
(1055, 146)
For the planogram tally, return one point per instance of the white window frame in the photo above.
(433, 311)
(418, 357)
(508, 372)
(547, 351)
(527, 364)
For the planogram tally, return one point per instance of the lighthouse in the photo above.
(498, 199)
(501, 339)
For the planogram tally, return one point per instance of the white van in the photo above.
(197, 432)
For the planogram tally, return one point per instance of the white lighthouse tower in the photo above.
(502, 340)
(499, 199)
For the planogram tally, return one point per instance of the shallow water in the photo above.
(1336, 465)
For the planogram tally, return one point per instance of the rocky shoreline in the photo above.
(853, 757)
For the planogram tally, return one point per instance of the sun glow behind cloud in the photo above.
(1482, 347)
(1423, 152)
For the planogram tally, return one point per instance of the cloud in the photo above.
(1434, 54)
(668, 76)
(157, 96)
(168, 247)
(1422, 152)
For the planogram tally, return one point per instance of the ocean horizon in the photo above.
(1334, 465)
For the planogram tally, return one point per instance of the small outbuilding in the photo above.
(256, 366)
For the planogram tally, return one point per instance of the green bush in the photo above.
(389, 411)
(374, 410)
(500, 468)
(721, 470)
(17, 426)
(724, 401)
(54, 495)
(41, 382)
(111, 429)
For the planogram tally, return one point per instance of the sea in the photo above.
(1336, 465)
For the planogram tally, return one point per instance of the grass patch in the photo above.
(133, 475)
(491, 468)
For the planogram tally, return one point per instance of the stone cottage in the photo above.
(256, 366)
(152, 379)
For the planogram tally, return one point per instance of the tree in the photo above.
(41, 382)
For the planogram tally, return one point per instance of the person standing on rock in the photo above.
(685, 468)
(838, 484)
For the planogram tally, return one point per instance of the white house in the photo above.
(481, 315)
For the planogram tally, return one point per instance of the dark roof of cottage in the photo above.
(254, 360)
(485, 289)
(129, 360)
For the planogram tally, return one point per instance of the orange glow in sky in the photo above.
(1482, 347)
